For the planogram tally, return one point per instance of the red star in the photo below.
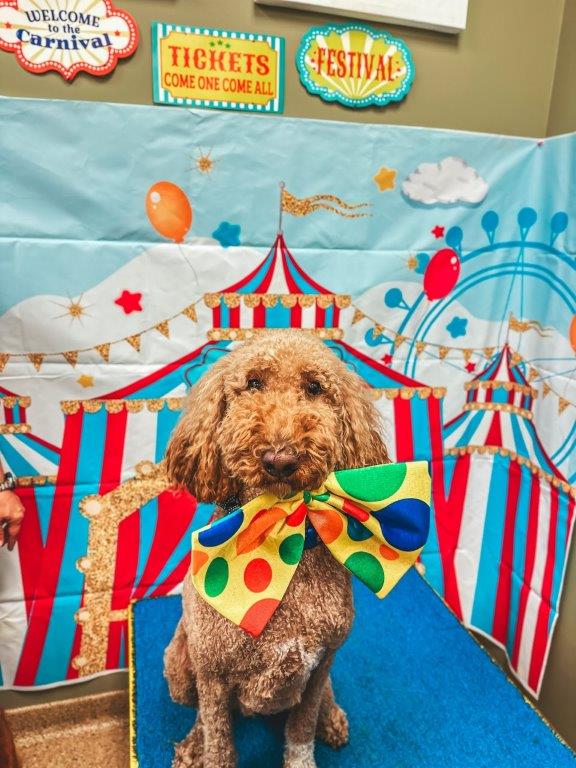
(470, 367)
(117, 33)
(130, 302)
(387, 359)
(438, 231)
(7, 25)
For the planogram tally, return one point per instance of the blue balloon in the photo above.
(394, 298)
(374, 340)
(527, 218)
(454, 237)
(490, 221)
(559, 222)
(423, 261)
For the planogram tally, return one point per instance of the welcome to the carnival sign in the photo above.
(68, 36)
(202, 67)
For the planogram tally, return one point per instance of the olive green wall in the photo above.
(510, 72)
(497, 76)
(562, 117)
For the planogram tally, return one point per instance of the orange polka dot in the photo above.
(199, 558)
(327, 522)
(388, 553)
(262, 524)
(258, 615)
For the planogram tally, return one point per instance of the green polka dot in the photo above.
(372, 483)
(291, 549)
(367, 568)
(216, 577)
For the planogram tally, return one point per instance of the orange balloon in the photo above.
(169, 210)
(573, 333)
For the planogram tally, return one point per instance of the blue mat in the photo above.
(418, 690)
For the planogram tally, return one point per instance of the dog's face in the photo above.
(277, 414)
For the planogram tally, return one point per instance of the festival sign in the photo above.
(201, 67)
(355, 65)
(68, 36)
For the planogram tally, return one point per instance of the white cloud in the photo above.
(448, 182)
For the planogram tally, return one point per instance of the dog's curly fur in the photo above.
(261, 398)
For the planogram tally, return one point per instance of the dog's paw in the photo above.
(333, 728)
(299, 755)
(188, 753)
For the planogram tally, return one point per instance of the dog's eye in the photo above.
(313, 388)
(255, 384)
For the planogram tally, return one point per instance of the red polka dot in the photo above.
(296, 518)
(258, 615)
(327, 522)
(262, 524)
(354, 511)
(257, 575)
(388, 553)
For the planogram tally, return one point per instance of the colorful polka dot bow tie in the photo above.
(373, 520)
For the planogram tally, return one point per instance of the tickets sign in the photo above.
(201, 67)
(355, 65)
(68, 36)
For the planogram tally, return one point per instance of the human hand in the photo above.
(11, 514)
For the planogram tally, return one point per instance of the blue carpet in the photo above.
(418, 690)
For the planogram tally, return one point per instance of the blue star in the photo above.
(457, 327)
(227, 234)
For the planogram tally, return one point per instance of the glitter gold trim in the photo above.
(505, 407)
(70, 407)
(28, 480)
(252, 300)
(407, 393)
(240, 334)
(493, 450)
(12, 401)
(507, 385)
(105, 513)
(14, 429)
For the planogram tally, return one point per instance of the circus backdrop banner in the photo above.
(141, 244)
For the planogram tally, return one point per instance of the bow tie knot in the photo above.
(373, 520)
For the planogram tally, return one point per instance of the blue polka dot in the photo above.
(405, 523)
(357, 531)
(221, 530)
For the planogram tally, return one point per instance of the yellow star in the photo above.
(85, 381)
(385, 178)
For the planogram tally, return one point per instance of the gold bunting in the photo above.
(420, 347)
(378, 329)
(163, 328)
(562, 404)
(104, 351)
(467, 354)
(488, 352)
(190, 313)
(134, 341)
(3, 360)
(36, 359)
(443, 351)
(533, 374)
(516, 358)
(71, 357)
(399, 340)
(546, 389)
(358, 315)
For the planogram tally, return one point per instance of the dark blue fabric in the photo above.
(419, 693)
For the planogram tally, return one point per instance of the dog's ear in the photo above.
(193, 460)
(362, 441)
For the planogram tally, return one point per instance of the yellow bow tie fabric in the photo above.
(374, 521)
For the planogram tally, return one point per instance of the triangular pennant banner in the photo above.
(4, 357)
(71, 357)
(190, 313)
(399, 340)
(358, 315)
(516, 358)
(546, 389)
(163, 328)
(420, 347)
(562, 404)
(488, 352)
(104, 351)
(443, 351)
(36, 359)
(533, 374)
(134, 341)
(467, 353)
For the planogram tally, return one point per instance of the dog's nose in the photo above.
(280, 463)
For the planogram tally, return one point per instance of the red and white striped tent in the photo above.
(503, 520)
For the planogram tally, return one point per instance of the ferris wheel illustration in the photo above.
(527, 261)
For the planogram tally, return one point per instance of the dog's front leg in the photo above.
(214, 709)
(303, 719)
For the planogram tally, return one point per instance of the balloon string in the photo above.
(188, 263)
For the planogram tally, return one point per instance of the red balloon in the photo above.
(441, 274)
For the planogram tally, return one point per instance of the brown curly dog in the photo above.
(277, 414)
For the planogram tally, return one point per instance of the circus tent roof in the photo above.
(276, 294)
(497, 418)
(23, 453)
